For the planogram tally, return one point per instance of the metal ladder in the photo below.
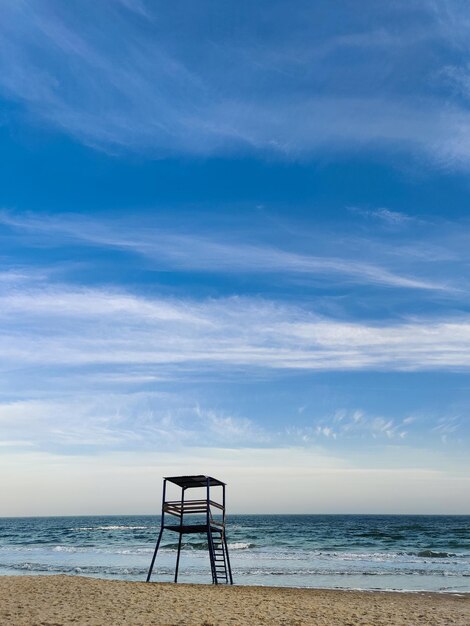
(220, 562)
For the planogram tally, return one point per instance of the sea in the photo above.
(370, 552)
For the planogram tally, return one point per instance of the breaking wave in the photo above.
(91, 528)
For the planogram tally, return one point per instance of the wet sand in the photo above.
(64, 600)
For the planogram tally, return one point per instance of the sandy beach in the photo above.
(63, 600)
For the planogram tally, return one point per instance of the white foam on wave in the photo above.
(384, 557)
(134, 551)
(240, 545)
(9, 548)
(64, 549)
(114, 528)
(102, 550)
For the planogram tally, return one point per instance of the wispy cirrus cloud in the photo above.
(189, 252)
(233, 89)
(132, 421)
(78, 328)
(357, 425)
(387, 216)
(150, 420)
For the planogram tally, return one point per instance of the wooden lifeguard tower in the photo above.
(213, 525)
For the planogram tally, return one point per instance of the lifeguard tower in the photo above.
(213, 524)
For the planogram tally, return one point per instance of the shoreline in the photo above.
(237, 584)
(65, 600)
(444, 592)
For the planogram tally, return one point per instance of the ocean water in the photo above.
(399, 552)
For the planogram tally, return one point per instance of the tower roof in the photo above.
(194, 481)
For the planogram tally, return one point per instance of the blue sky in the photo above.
(234, 239)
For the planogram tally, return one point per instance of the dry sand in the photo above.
(63, 600)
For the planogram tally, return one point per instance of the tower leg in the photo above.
(155, 554)
(178, 558)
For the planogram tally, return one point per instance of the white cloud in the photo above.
(355, 425)
(131, 421)
(448, 425)
(183, 252)
(153, 94)
(137, 6)
(76, 328)
(389, 217)
(231, 429)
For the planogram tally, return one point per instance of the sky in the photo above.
(234, 240)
